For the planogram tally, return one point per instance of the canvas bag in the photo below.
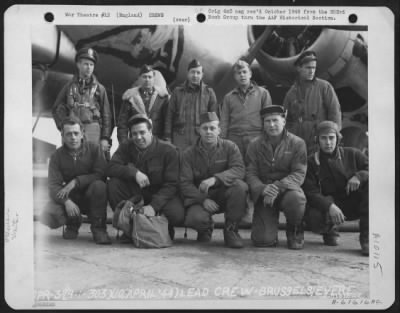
(145, 231)
(150, 231)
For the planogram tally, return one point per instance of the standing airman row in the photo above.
(254, 141)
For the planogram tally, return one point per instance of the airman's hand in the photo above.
(104, 144)
(148, 210)
(64, 192)
(353, 184)
(142, 179)
(206, 184)
(336, 215)
(71, 208)
(210, 206)
(268, 200)
(271, 190)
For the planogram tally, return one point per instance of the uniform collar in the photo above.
(335, 155)
(191, 88)
(285, 134)
(250, 89)
(82, 149)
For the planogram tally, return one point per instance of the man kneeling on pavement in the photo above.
(77, 185)
(147, 167)
(276, 167)
(212, 173)
(336, 187)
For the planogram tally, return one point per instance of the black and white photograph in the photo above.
(199, 157)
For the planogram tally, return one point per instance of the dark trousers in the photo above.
(266, 218)
(354, 206)
(91, 201)
(231, 200)
(119, 189)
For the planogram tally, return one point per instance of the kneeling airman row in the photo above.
(210, 177)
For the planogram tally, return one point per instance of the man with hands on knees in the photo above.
(146, 167)
(336, 187)
(76, 185)
(276, 167)
(211, 182)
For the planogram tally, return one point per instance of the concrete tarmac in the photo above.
(78, 270)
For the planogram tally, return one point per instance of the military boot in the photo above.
(232, 238)
(99, 231)
(364, 242)
(71, 230)
(331, 237)
(295, 236)
(206, 235)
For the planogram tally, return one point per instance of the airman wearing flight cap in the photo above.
(211, 181)
(336, 186)
(310, 100)
(148, 167)
(187, 103)
(276, 167)
(240, 111)
(147, 98)
(85, 98)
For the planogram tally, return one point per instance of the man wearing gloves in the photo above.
(276, 167)
(77, 185)
(148, 167)
(211, 181)
(187, 102)
(336, 186)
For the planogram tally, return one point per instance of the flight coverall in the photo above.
(183, 114)
(309, 103)
(286, 168)
(87, 166)
(325, 183)
(240, 115)
(87, 100)
(225, 163)
(133, 103)
(160, 163)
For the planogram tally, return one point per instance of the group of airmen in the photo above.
(189, 158)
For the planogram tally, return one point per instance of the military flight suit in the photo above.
(87, 166)
(286, 168)
(134, 102)
(240, 115)
(225, 163)
(325, 183)
(87, 100)
(161, 165)
(183, 114)
(308, 103)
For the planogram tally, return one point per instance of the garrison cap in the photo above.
(305, 57)
(208, 117)
(194, 63)
(273, 109)
(86, 53)
(145, 69)
(137, 118)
